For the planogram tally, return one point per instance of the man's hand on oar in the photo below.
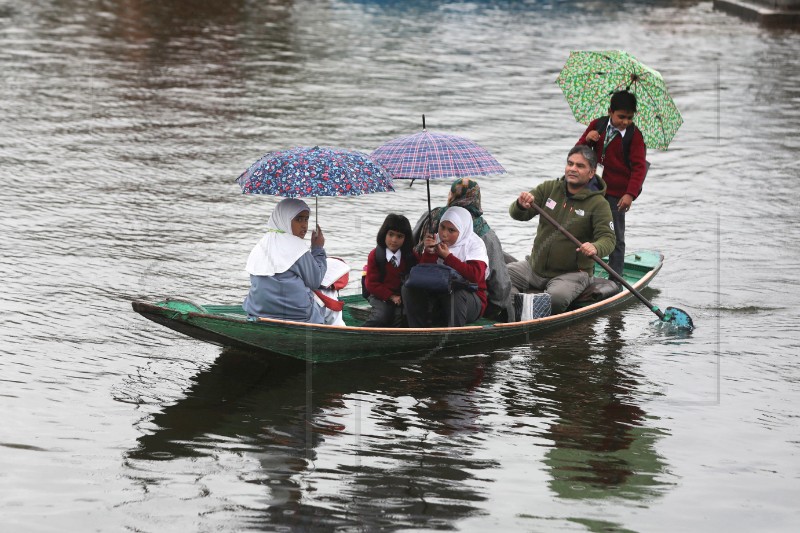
(525, 200)
(587, 249)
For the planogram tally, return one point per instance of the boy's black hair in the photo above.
(623, 100)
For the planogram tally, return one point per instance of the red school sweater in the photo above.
(390, 285)
(620, 179)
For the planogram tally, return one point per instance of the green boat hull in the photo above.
(228, 325)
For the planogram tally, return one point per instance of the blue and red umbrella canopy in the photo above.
(305, 172)
(427, 156)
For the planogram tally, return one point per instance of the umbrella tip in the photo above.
(423, 122)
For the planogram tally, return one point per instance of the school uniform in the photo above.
(283, 271)
(468, 257)
(619, 178)
(384, 312)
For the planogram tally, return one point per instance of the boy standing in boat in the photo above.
(620, 151)
(576, 201)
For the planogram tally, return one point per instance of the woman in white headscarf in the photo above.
(283, 271)
(466, 193)
(456, 246)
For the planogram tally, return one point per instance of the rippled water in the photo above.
(124, 125)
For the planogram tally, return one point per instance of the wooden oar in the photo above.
(672, 315)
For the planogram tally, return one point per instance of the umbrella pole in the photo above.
(430, 218)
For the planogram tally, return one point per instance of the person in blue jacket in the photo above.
(283, 271)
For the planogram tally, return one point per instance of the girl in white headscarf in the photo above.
(456, 246)
(283, 271)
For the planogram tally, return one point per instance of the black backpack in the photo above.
(380, 260)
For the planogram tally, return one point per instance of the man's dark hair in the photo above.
(586, 152)
(624, 101)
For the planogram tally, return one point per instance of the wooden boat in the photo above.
(228, 325)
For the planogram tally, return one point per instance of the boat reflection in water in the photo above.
(405, 442)
(347, 445)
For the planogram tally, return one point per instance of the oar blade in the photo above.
(678, 318)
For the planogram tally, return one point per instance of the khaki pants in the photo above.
(562, 289)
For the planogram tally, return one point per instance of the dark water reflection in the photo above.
(604, 445)
(412, 464)
(398, 444)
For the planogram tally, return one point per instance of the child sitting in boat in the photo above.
(456, 246)
(466, 193)
(283, 271)
(387, 265)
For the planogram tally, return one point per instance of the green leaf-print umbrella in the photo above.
(588, 80)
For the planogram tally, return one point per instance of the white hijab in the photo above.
(468, 246)
(278, 249)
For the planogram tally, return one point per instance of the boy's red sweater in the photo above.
(620, 179)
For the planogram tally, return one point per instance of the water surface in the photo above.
(125, 125)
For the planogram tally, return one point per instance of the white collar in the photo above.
(621, 132)
(398, 254)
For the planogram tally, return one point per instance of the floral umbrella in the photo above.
(305, 172)
(588, 80)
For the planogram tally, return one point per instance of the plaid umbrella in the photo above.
(588, 80)
(430, 156)
(306, 172)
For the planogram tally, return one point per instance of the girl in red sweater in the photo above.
(387, 266)
(456, 246)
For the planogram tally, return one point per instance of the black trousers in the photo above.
(384, 314)
(616, 259)
(424, 309)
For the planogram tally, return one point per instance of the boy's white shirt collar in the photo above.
(621, 132)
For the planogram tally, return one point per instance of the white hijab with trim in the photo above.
(278, 249)
(468, 246)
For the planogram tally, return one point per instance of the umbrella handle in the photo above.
(430, 217)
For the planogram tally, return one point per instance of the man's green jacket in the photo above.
(585, 214)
